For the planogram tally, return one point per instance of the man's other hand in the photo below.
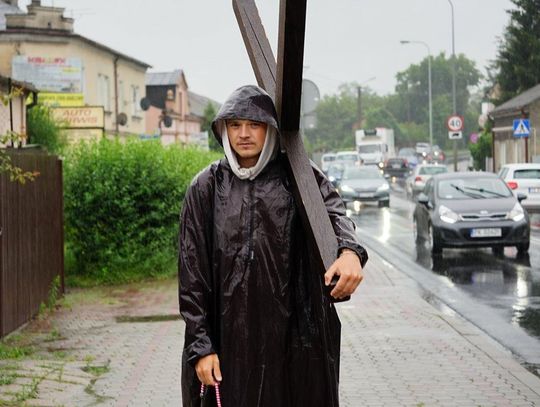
(207, 369)
(347, 267)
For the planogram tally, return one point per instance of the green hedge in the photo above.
(43, 129)
(122, 204)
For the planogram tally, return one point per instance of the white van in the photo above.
(326, 161)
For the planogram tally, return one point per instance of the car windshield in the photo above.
(399, 161)
(404, 152)
(369, 148)
(335, 171)
(347, 157)
(328, 158)
(473, 188)
(527, 174)
(432, 170)
(361, 173)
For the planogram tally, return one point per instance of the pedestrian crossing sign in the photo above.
(521, 128)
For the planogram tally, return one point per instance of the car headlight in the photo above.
(346, 188)
(448, 215)
(381, 164)
(516, 214)
(384, 187)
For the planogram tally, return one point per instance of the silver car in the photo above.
(415, 183)
(364, 183)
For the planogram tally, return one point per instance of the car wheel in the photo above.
(434, 243)
(523, 247)
(497, 250)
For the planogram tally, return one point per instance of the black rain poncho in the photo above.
(247, 290)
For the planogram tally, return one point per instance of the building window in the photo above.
(104, 92)
(135, 99)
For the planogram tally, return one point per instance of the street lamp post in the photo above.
(430, 103)
(453, 80)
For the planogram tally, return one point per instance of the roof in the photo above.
(55, 33)
(7, 9)
(163, 78)
(198, 104)
(18, 84)
(519, 102)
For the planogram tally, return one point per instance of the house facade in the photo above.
(507, 147)
(70, 70)
(174, 113)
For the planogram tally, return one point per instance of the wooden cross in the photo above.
(284, 85)
(283, 81)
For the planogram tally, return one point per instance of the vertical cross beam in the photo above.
(283, 81)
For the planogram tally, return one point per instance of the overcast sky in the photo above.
(346, 40)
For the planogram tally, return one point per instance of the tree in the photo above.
(15, 173)
(517, 67)
(410, 103)
(209, 114)
(335, 117)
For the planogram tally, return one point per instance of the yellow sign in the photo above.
(61, 99)
(78, 135)
(87, 117)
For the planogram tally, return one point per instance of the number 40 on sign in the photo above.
(455, 127)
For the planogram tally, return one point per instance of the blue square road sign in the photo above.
(521, 128)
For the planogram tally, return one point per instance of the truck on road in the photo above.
(375, 146)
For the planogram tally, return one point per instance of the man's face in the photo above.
(247, 140)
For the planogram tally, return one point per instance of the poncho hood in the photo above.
(248, 103)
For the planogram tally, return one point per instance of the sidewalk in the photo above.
(121, 347)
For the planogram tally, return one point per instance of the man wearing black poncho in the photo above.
(247, 293)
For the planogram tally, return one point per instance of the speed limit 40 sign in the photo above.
(455, 126)
(455, 123)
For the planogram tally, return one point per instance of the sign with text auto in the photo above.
(85, 117)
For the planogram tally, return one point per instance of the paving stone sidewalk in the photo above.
(121, 347)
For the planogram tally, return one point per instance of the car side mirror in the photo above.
(423, 199)
(521, 196)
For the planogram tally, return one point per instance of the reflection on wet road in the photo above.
(508, 283)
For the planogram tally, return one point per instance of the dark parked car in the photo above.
(410, 155)
(436, 154)
(364, 183)
(470, 209)
(396, 167)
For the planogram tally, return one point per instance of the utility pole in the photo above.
(454, 109)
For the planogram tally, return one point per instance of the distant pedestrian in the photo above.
(247, 286)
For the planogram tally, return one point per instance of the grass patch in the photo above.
(7, 378)
(14, 352)
(95, 370)
(28, 391)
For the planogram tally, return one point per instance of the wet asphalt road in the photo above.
(500, 294)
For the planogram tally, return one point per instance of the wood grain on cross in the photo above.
(283, 82)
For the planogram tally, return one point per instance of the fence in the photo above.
(31, 238)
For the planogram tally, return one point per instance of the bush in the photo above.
(481, 150)
(122, 205)
(44, 130)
